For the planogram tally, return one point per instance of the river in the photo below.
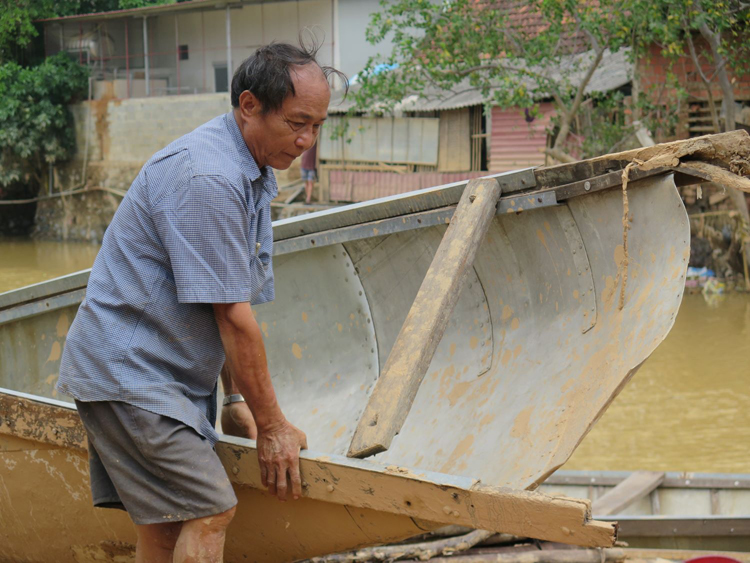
(687, 408)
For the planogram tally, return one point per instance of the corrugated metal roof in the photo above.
(614, 71)
(153, 10)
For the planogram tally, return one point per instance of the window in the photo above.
(221, 83)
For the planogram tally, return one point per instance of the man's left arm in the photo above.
(236, 418)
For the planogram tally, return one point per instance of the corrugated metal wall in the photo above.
(408, 140)
(353, 185)
(514, 142)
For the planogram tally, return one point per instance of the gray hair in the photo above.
(266, 73)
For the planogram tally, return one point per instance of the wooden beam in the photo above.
(425, 324)
(427, 496)
(430, 497)
(637, 485)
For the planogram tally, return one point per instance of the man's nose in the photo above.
(305, 139)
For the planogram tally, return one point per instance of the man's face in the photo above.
(280, 137)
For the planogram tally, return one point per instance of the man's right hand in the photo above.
(279, 445)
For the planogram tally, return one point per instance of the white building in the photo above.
(194, 47)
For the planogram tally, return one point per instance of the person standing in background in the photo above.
(309, 158)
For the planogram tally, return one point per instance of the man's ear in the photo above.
(250, 106)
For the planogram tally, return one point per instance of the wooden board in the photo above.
(423, 328)
(334, 480)
(637, 485)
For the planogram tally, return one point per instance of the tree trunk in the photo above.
(730, 123)
(720, 63)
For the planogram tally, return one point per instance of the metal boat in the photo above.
(665, 510)
(555, 314)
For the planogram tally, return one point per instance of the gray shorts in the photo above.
(155, 467)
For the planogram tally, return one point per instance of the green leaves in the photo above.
(36, 127)
(512, 52)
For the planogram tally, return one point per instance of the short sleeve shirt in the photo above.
(194, 229)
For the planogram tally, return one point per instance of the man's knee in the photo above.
(215, 523)
(222, 520)
(161, 536)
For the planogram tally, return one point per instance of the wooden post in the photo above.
(425, 324)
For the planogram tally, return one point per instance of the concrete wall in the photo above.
(122, 136)
(354, 17)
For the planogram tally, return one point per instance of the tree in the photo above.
(513, 52)
(36, 127)
(17, 17)
(724, 26)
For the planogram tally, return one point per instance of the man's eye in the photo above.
(316, 128)
(297, 125)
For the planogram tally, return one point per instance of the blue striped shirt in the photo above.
(194, 229)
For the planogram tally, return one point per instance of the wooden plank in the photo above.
(430, 496)
(294, 194)
(454, 147)
(636, 486)
(391, 489)
(425, 324)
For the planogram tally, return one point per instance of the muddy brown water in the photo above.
(687, 408)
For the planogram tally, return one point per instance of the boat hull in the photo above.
(684, 511)
(536, 348)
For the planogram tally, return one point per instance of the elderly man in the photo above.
(168, 304)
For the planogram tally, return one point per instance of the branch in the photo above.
(591, 36)
(714, 41)
(568, 116)
(697, 63)
(422, 551)
(559, 154)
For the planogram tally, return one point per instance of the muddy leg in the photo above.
(156, 542)
(202, 540)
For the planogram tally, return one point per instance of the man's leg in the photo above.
(170, 479)
(308, 191)
(202, 540)
(156, 542)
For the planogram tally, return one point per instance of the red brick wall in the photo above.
(653, 72)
